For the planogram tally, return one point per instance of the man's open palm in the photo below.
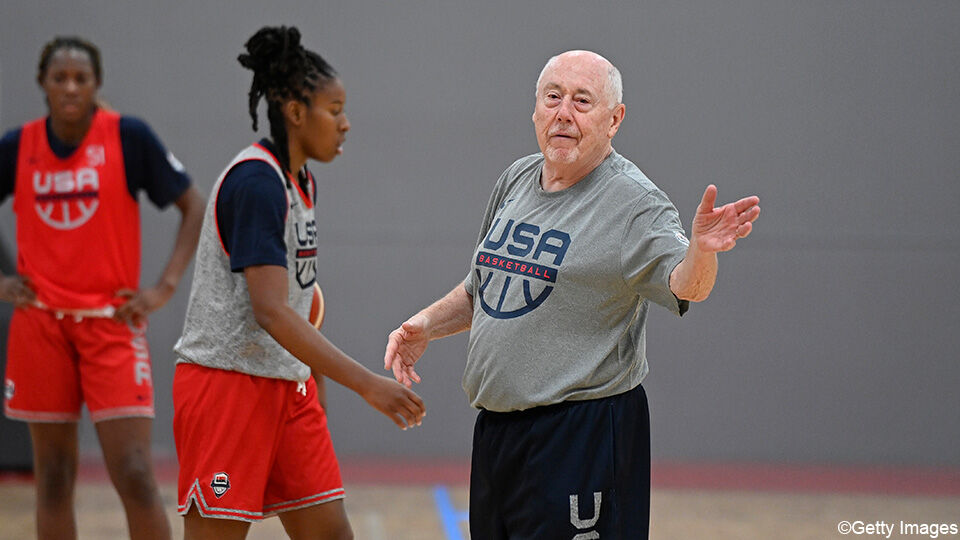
(718, 229)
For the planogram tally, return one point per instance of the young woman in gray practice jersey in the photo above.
(251, 433)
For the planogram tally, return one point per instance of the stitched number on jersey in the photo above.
(518, 281)
(306, 253)
(67, 199)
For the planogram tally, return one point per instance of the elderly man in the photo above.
(575, 244)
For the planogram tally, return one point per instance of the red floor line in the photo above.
(791, 478)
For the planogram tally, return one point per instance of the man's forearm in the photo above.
(694, 277)
(449, 315)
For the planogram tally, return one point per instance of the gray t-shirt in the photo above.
(561, 282)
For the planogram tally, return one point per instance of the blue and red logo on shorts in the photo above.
(220, 484)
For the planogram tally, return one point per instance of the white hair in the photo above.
(614, 87)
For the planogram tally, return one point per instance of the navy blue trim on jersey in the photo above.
(304, 177)
(269, 146)
(148, 165)
(251, 215)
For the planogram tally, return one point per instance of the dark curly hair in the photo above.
(282, 70)
(69, 42)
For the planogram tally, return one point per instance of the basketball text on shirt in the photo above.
(525, 239)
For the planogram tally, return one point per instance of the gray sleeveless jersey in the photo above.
(220, 330)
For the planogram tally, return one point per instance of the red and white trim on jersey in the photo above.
(122, 412)
(40, 417)
(195, 496)
(319, 498)
(305, 197)
(96, 416)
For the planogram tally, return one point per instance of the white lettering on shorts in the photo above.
(142, 373)
(139, 341)
(585, 523)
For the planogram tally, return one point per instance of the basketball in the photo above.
(316, 307)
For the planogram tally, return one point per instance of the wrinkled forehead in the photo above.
(575, 72)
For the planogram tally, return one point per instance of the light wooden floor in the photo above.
(411, 513)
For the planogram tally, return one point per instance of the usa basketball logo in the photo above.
(66, 199)
(220, 484)
(520, 281)
(306, 253)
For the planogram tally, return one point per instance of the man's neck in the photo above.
(560, 176)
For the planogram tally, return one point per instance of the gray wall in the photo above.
(832, 333)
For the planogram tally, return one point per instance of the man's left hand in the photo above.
(718, 229)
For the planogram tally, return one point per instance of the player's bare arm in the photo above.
(267, 286)
(447, 316)
(141, 303)
(714, 230)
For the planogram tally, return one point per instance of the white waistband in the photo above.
(105, 312)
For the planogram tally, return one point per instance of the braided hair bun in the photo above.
(272, 53)
(282, 70)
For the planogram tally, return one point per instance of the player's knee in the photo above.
(133, 478)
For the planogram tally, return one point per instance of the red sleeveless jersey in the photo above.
(78, 227)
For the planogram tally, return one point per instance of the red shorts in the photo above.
(250, 447)
(55, 365)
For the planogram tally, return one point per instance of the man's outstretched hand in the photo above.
(718, 229)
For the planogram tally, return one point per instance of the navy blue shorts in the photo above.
(576, 470)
